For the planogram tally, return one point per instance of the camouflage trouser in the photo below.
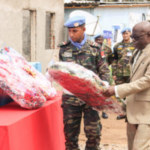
(72, 121)
(121, 80)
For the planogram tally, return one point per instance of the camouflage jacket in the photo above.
(121, 62)
(88, 56)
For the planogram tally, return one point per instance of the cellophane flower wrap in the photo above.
(22, 82)
(84, 84)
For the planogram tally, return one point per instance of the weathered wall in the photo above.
(11, 27)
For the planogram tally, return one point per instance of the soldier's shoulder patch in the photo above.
(120, 47)
(63, 44)
(67, 54)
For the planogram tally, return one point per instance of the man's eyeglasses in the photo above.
(136, 38)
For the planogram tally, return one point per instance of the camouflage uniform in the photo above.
(121, 66)
(107, 52)
(88, 56)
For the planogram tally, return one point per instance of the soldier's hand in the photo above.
(109, 91)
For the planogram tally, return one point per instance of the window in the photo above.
(49, 31)
(26, 35)
(29, 34)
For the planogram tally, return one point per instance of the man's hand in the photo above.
(109, 92)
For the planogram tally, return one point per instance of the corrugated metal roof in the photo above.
(90, 4)
(75, 1)
(107, 1)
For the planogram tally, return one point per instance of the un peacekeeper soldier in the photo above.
(81, 51)
(121, 65)
(105, 49)
(105, 53)
(122, 53)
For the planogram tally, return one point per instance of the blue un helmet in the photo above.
(75, 21)
(97, 36)
(126, 29)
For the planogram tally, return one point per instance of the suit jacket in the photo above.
(137, 92)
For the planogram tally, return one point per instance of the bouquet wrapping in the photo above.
(84, 84)
(23, 83)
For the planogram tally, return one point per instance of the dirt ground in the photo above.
(113, 134)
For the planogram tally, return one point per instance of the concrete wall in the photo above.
(11, 26)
